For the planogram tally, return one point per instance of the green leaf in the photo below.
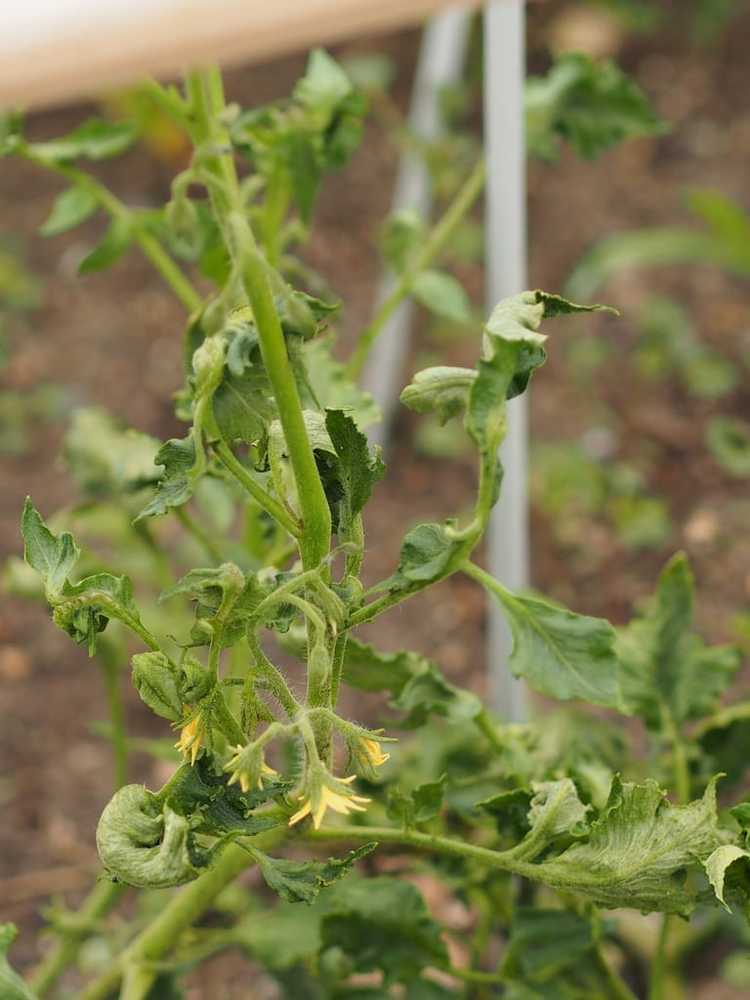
(51, 557)
(559, 653)
(85, 608)
(429, 693)
(726, 742)
(12, 987)
(107, 460)
(638, 851)
(367, 669)
(157, 683)
(382, 923)
(442, 294)
(324, 86)
(513, 350)
(543, 943)
(356, 471)
(728, 440)
(70, 209)
(95, 139)
(403, 236)
(441, 390)
(333, 389)
(663, 663)
(592, 105)
(143, 842)
(178, 457)
(202, 794)
(428, 553)
(116, 240)
(302, 881)
(510, 810)
(423, 804)
(728, 870)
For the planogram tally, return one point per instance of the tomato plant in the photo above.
(538, 830)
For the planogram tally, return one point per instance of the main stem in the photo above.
(207, 96)
(179, 914)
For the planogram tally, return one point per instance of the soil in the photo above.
(113, 340)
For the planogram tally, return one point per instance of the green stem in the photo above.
(618, 988)
(487, 727)
(659, 963)
(256, 491)
(97, 904)
(272, 677)
(150, 246)
(316, 516)
(432, 247)
(117, 719)
(178, 915)
(199, 533)
(337, 668)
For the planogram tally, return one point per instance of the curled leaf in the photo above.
(144, 843)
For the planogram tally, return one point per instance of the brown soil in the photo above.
(113, 340)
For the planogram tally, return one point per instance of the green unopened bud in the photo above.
(208, 366)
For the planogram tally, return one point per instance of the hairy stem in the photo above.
(432, 247)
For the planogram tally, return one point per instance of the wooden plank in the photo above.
(54, 52)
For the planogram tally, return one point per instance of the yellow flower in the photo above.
(330, 793)
(249, 768)
(374, 753)
(191, 739)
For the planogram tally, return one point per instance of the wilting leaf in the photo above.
(382, 923)
(663, 663)
(592, 105)
(428, 553)
(302, 881)
(442, 390)
(638, 851)
(421, 805)
(95, 139)
(53, 558)
(728, 870)
(442, 294)
(559, 653)
(544, 943)
(107, 460)
(176, 485)
(349, 483)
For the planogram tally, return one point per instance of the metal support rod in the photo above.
(441, 61)
(508, 535)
